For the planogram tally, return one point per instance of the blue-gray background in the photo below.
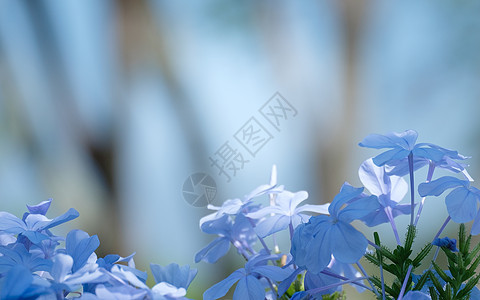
(108, 106)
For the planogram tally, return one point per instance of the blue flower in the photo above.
(250, 284)
(278, 217)
(447, 243)
(448, 162)
(313, 281)
(173, 274)
(35, 226)
(66, 280)
(462, 202)
(313, 243)
(400, 145)
(81, 247)
(120, 292)
(19, 283)
(238, 231)
(236, 206)
(172, 281)
(416, 295)
(16, 254)
(389, 190)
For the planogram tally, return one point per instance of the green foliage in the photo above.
(335, 296)
(462, 278)
(397, 262)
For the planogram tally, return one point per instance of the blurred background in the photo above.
(108, 106)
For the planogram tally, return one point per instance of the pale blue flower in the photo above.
(285, 212)
(390, 190)
(173, 274)
(238, 231)
(416, 295)
(16, 254)
(446, 242)
(81, 247)
(236, 206)
(314, 242)
(172, 281)
(447, 162)
(34, 226)
(19, 283)
(66, 280)
(250, 285)
(400, 145)
(462, 201)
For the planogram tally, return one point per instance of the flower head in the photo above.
(400, 145)
(389, 190)
(313, 243)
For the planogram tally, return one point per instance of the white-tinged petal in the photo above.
(399, 188)
(166, 289)
(62, 266)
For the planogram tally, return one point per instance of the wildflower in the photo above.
(284, 213)
(462, 201)
(313, 243)
(401, 145)
(250, 285)
(389, 190)
(446, 242)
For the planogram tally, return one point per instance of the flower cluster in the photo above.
(34, 266)
(326, 249)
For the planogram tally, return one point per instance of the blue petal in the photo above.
(348, 244)
(35, 237)
(11, 224)
(347, 193)
(429, 153)
(220, 289)
(273, 272)
(416, 295)
(374, 178)
(173, 274)
(271, 225)
(404, 140)
(462, 205)
(213, 251)
(69, 215)
(120, 292)
(319, 251)
(438, 186)
(313, 281)
(249, 288)
(359, 209)
(62, 266)
(40, 208)
(394, 154)
(300, 296)
(285, 284)
(217, 226)
(401, 168)
(80, 246)
(377, 141)
(16, 283)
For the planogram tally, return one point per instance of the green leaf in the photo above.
(421, 255)
(433, 293)
(411, 232)
(421, 282)
(472, 254)
(440, 273)
(438, 286)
